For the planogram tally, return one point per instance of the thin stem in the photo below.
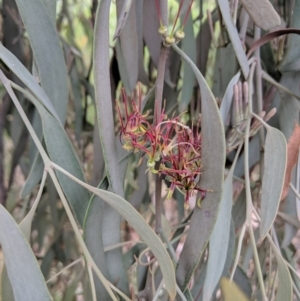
(238, 251)
(64, 269)
(47, 163)
(246, 162)
(272, 81)
(159, 85)
(257, 264)
(180, 293)
(93, 288)
(158, 204)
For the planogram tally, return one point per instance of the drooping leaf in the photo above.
(234, 36)
(188, 83)
(292, 157)
(150, 27)
(129, 45)
(48, 56)
(242, 281)
(219, 240)
(213, 158)
(141, 227)
(111, 222)
(24, 75)
(142, 75)
(273, 177)
(231, 292)
(291, 61)
(103, 97)
(270, 36)
(224, 70)
(33, 177)
(123, 15)
(22, 268)
(262, 13)
(284, 288)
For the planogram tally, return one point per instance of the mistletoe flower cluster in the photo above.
(172, 149)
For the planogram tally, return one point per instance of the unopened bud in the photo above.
(179, 35)
(163, 30)
(169, 40)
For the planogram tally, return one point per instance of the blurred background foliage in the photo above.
(211, 43)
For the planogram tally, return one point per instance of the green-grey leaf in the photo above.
(213, 159)
(48, 55)
(22, 268)
(103, 96)
(189, 47)
(219, 240)
(291, 61)
(122, 17)
(274, 171)
(129, 45)
(33, 177)
(234, 36)
(141, 227)
(111, 222)
(62, 152)
(24, 75)
(262, 13)
(150, 26)
(284, 288)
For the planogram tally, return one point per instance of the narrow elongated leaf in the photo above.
(284, 288)
(291, 61)
(48, 56)
(262, 13)
(150, 27)
(33, 177)
(129, 45)
(22, 268)
(103, 96)
(141, 227)
(189, 47)
(234, 37)
(24, 75)
(112, 225)
(122, 17)
(143, 77)
(62, 152)
(213, 159)
(231, 292)
(219, 240)
(273, 178)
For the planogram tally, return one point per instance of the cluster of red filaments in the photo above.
(172, 149)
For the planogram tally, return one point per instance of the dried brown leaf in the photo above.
(292, 156)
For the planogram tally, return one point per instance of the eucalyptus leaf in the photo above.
(189, 47)
(234, 36)
(140, 226)
(262, 13)
(129, 44)
(285, 288)
(150, 27)
(111, 219)
(48, 56)
(290, 61)
(22, 268)
(123, 15)
(219, 240)
(273, 177)
(24, 75)
(213, 159)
